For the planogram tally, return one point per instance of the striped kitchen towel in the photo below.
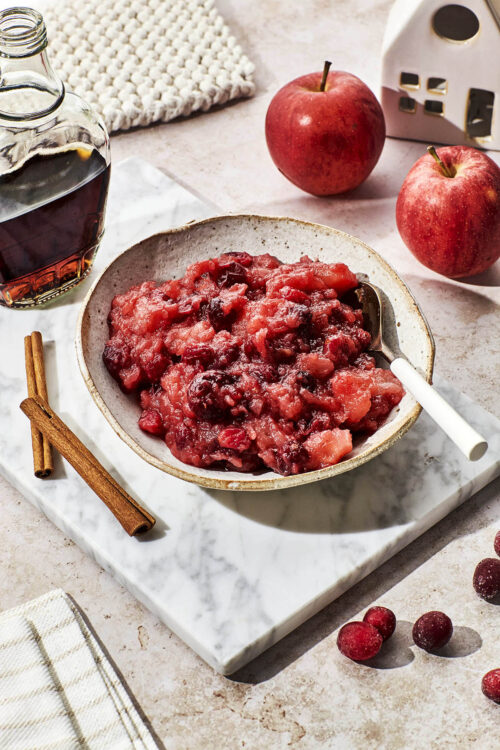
(58, 690)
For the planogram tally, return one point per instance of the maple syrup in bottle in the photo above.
(54, 170)
(48, 240)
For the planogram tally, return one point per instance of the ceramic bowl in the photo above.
(167, 255)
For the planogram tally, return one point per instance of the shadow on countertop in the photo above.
(370, 590)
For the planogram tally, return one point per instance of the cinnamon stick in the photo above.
(132, 516)
(35, 375)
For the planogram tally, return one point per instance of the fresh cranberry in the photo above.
(486, 580)
(432, 630)
(151, 421)
(383, 619)
(496, 543)
(359, 641)
(490, 685)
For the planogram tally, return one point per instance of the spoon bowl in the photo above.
(368, 297)
(470, 442)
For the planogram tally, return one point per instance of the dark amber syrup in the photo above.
(51, 221)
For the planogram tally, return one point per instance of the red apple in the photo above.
(448, 211)
(325, 132)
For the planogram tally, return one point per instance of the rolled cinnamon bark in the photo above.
(35, 376)
(132, 516)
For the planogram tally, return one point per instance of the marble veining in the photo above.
(231, 573)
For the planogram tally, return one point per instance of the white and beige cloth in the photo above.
(58, 690)
(143, 61)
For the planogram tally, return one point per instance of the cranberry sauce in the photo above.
(247, 363)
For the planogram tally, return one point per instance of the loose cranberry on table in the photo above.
(359, 641)
(432, 630)
(383, 619)
(486, 580)
(490, 685)
(448, 211)
(247, 363)
(325, 131)
(496, 543)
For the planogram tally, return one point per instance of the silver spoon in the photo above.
(470, 442)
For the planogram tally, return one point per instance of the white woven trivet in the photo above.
(143, 61)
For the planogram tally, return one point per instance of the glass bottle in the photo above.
(54, 170)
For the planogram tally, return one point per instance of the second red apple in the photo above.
(448, 211)
(325, 132)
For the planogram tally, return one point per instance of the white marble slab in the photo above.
(230, 573)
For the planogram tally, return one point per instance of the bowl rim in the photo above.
(278, 481)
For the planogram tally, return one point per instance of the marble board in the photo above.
(231, 573)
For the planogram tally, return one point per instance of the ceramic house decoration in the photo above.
(441, 72)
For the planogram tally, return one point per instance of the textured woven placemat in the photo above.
(143, 61)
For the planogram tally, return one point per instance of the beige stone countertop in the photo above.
(302, 693)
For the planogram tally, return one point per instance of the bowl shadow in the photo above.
(379, 494)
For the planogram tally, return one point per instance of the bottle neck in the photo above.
(29, 88)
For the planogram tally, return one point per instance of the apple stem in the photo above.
(325, 75)
(441, 163)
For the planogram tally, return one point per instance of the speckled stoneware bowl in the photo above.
(167, 255)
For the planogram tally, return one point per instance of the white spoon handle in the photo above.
(470, 442)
